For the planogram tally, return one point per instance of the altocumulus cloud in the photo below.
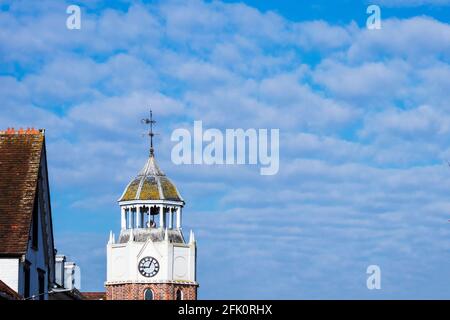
(362, 178)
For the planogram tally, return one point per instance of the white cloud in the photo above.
(362, 130)
(320, 35)
(373, 80)
(422, 122)
(417, 39)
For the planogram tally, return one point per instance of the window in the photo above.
(179, 295)
(35, 222)
(148, 295)
(41, 275)
(26, 286)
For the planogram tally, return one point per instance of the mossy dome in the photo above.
(151, 184)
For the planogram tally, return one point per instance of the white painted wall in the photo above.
(72, 276)
(176, 261)
(60, 261)
(181, 263)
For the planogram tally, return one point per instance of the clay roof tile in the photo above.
(20, 159)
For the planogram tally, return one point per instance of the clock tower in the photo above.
(151, 260)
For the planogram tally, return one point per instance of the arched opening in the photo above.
(179, 295)
(148, 294)
(154, 211)
(144, 217)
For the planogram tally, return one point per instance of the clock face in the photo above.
(148, 267)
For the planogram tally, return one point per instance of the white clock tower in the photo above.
(151, 258)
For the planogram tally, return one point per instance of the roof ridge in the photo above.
(139, 190)
(151, 168)
(21, 131)
(161, 193)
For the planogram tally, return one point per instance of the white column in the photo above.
(179, 218)
(123, 219)
(139, 217)
(144, 219)
(161, 217)
(171, 218)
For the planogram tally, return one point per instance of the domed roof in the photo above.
(151, 184)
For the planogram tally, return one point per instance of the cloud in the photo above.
(373, 80)
(88, 251)
(363, 129)
(417, 39)
(320, 35)
(422, 122)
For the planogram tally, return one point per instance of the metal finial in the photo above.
(151, 134)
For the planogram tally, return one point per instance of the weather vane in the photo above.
(151, 134)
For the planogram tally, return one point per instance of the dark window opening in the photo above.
(148, 295)
(179, 294)
(26, 288)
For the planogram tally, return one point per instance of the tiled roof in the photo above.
(7, 292)
(20, 157)
(94, 295)
(151, 184)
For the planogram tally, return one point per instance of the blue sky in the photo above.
(363, 117)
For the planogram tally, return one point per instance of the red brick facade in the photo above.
(161, 291)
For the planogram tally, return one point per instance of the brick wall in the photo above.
(161, 291)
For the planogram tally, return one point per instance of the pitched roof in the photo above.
(20, 158)
(8, 293)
